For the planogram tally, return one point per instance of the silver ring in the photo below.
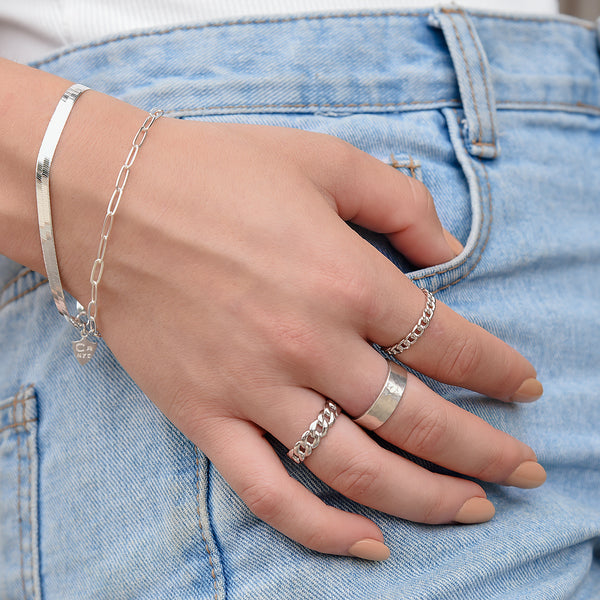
(318, 429)
(417, 330)
(387, 401)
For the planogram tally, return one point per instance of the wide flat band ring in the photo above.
(387, 401)
(318, 429)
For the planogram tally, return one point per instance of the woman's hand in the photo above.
(238, 299)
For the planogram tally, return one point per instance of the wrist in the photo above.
(23, 121)
(89, 154)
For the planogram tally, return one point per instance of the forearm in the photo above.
(86, 159)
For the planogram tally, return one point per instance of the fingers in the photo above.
(428, 426)
(352, 374)
(249, 464)
(348, 460)
(372, 194)
(453, 350)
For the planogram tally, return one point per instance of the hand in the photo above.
(238, 299)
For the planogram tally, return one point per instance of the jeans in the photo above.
(101, 497)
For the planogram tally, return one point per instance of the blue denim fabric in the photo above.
(101, 497)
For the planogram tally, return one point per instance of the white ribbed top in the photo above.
(31, 29)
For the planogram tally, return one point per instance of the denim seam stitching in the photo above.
(531, 19)
(487, 235)
(18, 400)
(484, 75)
(19, 516)
(412, 165)
(24, 293)
(210, 562)
(167, 30)
(475, 245)
(580, 105)
(468, 68)
(545, 103)
(316, 105)
(15, 279)
(19, 424)
(28, 443)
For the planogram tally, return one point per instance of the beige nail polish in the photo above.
(370, 550)
(454, 244)
(528, 474)
(475, 510)
(530, 390)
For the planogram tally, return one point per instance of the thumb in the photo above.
(377, 197)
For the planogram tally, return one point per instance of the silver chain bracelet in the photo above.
(85, 321)
(113, 205)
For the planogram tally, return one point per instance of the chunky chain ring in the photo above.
(318, 429)
(417, 330)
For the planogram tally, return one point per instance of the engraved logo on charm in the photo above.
(84, 350)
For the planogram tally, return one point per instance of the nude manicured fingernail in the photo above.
(528, 474)
(530, 390)
(370, 550)
(475, 510)
(454, 244)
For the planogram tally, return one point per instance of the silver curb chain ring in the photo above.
(85, 320)
(418, 329)
(318, 429)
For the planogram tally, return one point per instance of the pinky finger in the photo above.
(252, 468)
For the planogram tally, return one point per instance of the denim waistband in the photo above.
(340, 63)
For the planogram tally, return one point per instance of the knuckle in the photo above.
(349, 288)
(500, 463)
(354, 292)
(194, 415)
(181, 405)
(465, 354)
(427, 433)
(341, 149)
(264, 500)
(420, 203)
(294, 340)
(316, 539)
(357, 477)
(433, 507)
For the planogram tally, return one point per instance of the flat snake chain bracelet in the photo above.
(85, 321)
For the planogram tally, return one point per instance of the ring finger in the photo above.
(348, 460)
(423, 423)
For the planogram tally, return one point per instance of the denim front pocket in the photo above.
(459, 185)
(19, 556)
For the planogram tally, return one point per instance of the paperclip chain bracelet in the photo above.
(85, 320)
(84, 348)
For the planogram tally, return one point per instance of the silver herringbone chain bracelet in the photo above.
(85, 321)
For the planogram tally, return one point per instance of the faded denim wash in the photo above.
(102, 498)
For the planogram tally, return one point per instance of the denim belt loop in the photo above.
(474, 78)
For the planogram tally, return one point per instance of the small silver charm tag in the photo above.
(84, 350)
